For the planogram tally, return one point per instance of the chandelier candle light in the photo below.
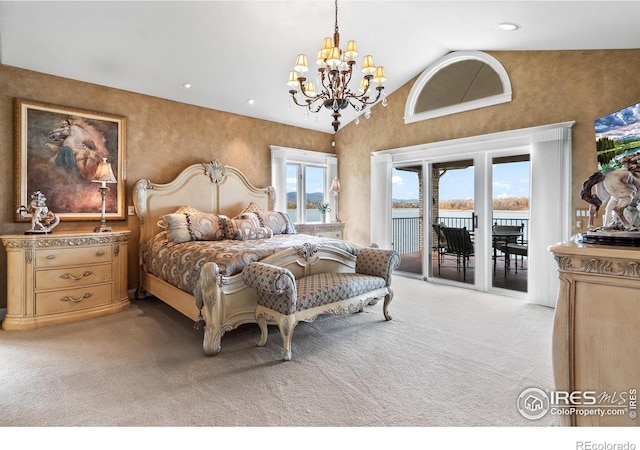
(103, 175)
(335, 70)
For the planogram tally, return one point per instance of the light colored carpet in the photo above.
(449, 357)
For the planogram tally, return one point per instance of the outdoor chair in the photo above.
(440, 243)
(459, 243)
(508, 240)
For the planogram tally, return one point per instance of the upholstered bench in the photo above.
(287, 301)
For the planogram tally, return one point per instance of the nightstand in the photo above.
(64, 277)
(332, 229)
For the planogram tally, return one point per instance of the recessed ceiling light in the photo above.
(508, 26)
(251, 101)
(187, 85)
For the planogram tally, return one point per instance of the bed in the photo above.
(201, 277)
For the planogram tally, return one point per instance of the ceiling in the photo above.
(231, 51)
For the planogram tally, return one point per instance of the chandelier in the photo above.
(335, 71)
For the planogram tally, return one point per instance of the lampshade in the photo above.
(335, 186)
(379, 76)
(104, 174)
(368, 67)
(327, 44)
(310, 89)
(301, 64)
(352, 50)
(293, 78)
(364, 85)
(334, 57)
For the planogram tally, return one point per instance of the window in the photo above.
(459, 81)
(301, 179)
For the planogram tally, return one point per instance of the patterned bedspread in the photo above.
(180, 264)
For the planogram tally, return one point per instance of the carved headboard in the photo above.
(209, 187)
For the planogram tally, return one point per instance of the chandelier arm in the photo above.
(307, 103)
(365, 99)
(317, 109)
(325, 81)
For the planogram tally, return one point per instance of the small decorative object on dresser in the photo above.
(332, 230)
(66, 278)
(43, 221)
(324, 209)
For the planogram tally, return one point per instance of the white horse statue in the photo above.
(42, 220)
(621, 188)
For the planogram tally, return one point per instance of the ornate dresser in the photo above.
(329, 229)
(64, 277)
(596, 333)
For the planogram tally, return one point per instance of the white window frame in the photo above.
(410, 116)
(281, 156)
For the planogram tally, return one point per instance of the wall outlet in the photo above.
(132, 210)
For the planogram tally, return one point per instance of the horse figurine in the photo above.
(621, 188)
(42, 220)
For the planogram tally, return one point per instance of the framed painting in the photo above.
(57, 153)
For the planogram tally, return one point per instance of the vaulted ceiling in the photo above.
(231, 51)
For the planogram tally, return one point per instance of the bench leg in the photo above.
(261, 318)
(387, 300)
(286, 325)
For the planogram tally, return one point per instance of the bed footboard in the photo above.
(226, 302)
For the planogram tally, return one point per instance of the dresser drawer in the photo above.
(71, 277)
(65, 300)
(54, 257)
(330, 234)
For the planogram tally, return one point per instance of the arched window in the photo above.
(459, 81)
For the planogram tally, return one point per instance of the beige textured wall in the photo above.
(162, 138)
(548, 87)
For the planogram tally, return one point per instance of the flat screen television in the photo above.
(617, 135)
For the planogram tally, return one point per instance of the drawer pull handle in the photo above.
(100, 253)
(51, 256)
(68, 276)
(68, 298)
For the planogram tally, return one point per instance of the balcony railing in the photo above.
(405, 234)
(405, 231)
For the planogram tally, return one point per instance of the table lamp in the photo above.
(103, 175)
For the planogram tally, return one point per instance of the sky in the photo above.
(509, 180)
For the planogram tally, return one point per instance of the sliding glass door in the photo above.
(407, 217)
(509, 255)
(452, 221)
(464, 221)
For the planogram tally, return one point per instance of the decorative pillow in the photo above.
(187, 227)
(279, 222)
(245, 234)
(251, 208)
(162, 223)
(241, 223)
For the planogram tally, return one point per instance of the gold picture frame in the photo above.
(57, 153)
